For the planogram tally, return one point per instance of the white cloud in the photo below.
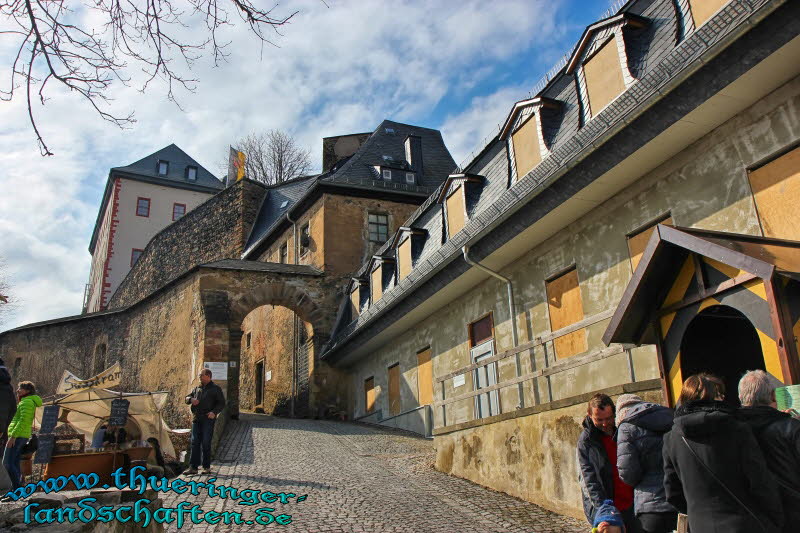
(336, 70)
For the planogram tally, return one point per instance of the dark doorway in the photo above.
(722, 341)
(259, 379)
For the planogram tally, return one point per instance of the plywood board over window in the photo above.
(404, 258)
(637, 242)
(776, 189)
(355, 303)
(425, 377)
(603, 73)
(527, 152)
(394, 389)
(702, 10)
(377, 283)
(456, 207)
(369, 395)
(566, 307)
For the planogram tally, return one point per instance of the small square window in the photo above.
(378, 228)
(191, 173)
(284, 253)
(163, 168)
(178, 210)
(142, 207)
(410, 177)
(305, 239)
(135, 254)
(387, 174)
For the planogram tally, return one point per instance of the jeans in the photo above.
(202, 431)
(11, 458)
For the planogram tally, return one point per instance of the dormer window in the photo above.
(410, 178)
(376, 285)
(455, 207)
(162, 168)
(191, 173)
(603, 74)
(387, 174)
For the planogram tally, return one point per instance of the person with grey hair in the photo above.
(778, 436)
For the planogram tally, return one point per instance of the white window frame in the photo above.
(488, 404)
(189, 173)
(387, 174)
(410, 178)
(166, 167)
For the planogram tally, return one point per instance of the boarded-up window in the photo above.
(526, 147)
(425, 377)
(603, 73)
(566, 307)
(455, 206)
(377, 284)
(369, 395)
(702, 10)
(355, 302)
(404, 258)
(394, 389)
(481, 330)
(637, 242)
(776, 188)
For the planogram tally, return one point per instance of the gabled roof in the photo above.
(663, 257)
(626, 19)
(145, 170)
(178, 161)
(522, 104)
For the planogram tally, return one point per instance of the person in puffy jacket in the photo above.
(19, 430)
(778, 435)
(640, 432)
(714, 470)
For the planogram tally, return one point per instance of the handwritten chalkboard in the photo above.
(49, 418)
(45, 450)
(119, 412)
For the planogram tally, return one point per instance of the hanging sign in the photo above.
(70, 383)
(219, 371)
(119, 412)
(49, 419)
(45, 450)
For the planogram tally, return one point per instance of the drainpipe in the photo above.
(512, 309)
(294, 323)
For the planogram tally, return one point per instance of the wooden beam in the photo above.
(711, 291)
(784, 336)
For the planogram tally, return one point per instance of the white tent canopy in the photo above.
(87, 409)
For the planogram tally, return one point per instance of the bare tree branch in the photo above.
(273, 157)
(54, 42)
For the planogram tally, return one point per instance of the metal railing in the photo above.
(544, 343)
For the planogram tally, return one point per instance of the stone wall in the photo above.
(216, 229)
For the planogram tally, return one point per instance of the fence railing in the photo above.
(549, 369)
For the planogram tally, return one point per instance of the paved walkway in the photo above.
(357, 479)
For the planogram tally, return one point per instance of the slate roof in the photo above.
(271, 211)
(178, 161)
(357, 172)
(260, 266)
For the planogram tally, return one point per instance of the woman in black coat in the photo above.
(713, 468)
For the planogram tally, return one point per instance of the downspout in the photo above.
(512, 309)
(294, 323)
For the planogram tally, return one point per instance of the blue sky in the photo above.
(454, 66)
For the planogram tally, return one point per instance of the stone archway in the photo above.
(227, 295)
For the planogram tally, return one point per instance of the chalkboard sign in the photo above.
(119, 412)
(49, 418)
(45, 450)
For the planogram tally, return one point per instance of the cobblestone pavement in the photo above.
(358, 479)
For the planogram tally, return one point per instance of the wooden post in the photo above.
(784, 336)
(683, 523)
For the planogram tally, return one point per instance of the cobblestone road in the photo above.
(358, 479)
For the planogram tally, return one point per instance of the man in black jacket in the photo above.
(8, 402)
(778, 435)
(597, 460)
(207, 401)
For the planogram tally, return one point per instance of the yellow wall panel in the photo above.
(377, 284)
(425, 377)
(394, 390)
(369, 394)
(566, 307)
(455, 211)
(702, 10)
(404, 258)
(638, 242)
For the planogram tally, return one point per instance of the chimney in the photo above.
(414, 153)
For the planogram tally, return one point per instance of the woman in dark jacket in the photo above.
(640, 432)
(713, 468)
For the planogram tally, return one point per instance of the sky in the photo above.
(338, 67)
